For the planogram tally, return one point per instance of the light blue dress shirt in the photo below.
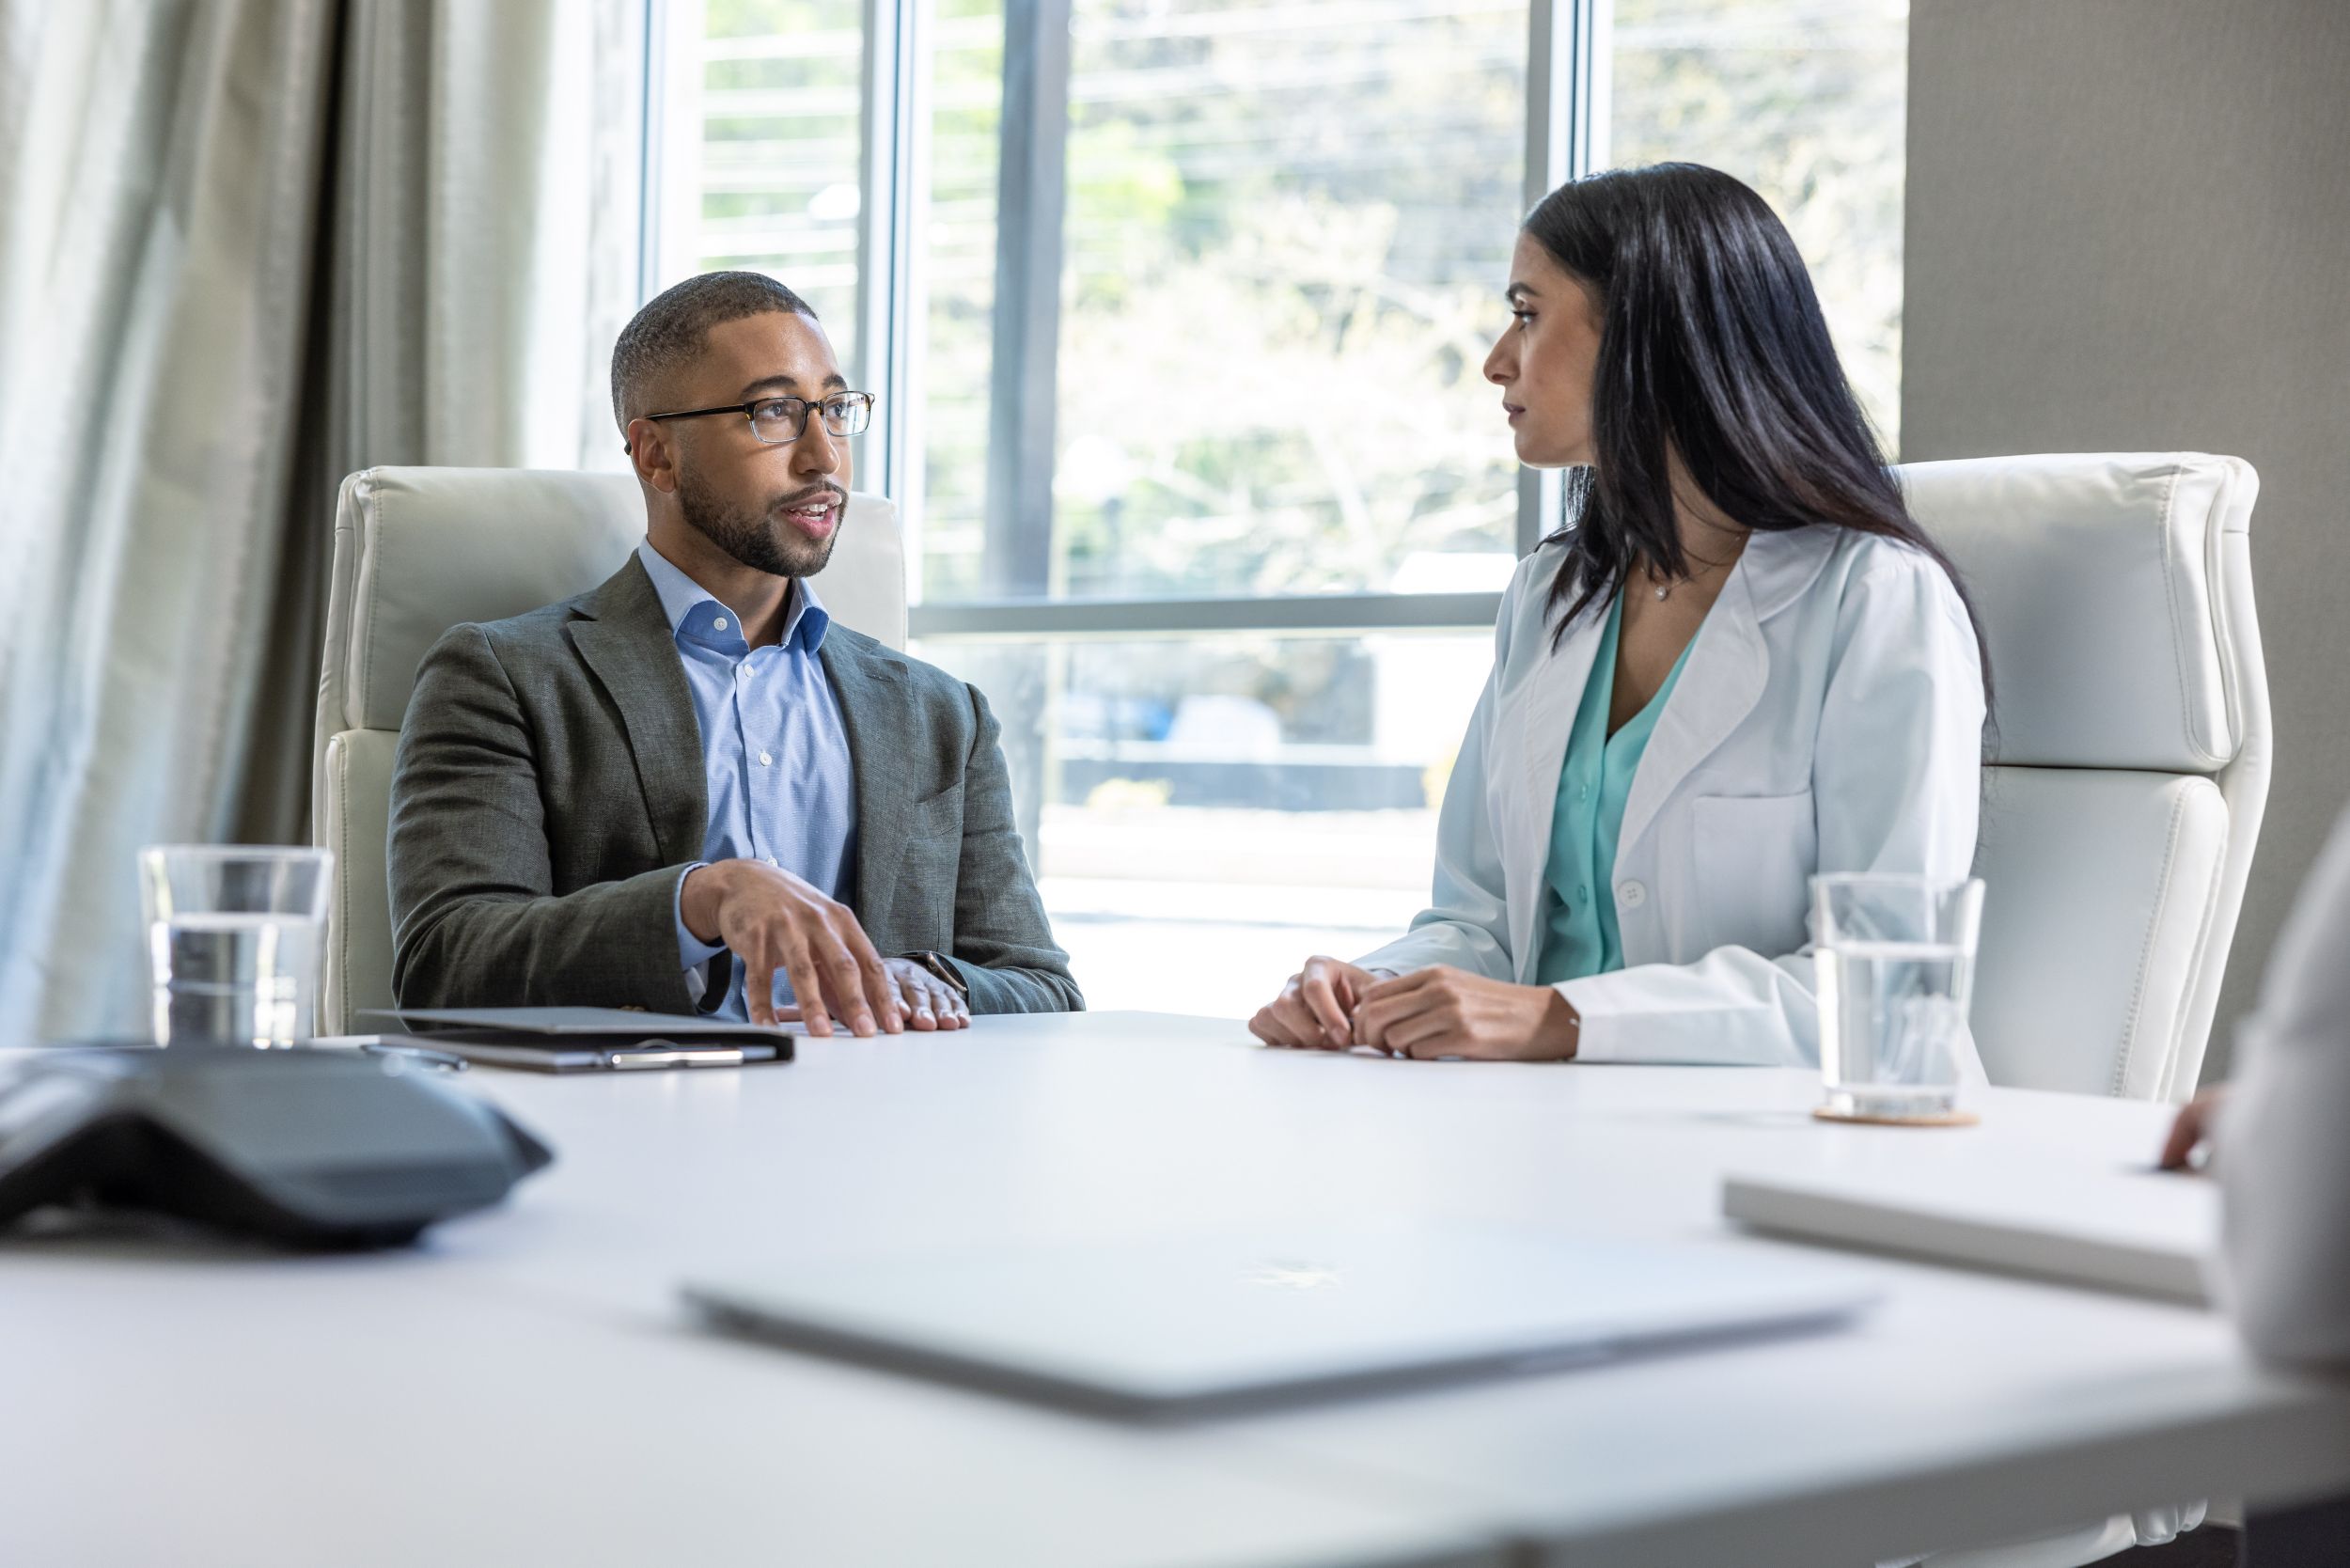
(1579, 936)
(775, 754)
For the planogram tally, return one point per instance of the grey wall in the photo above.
(2128, 231)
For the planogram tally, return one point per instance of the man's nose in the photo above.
(817, 451)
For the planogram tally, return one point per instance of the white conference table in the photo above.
(524, 1388)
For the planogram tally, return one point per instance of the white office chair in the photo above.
(420, 550)
(2128, 773)
(2131, 760)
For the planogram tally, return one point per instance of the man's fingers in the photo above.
(874, 973)
(889, 1002)
(808, 990)
(759, 991)
(843, 980)
(913, 997)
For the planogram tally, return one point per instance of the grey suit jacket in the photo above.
(549, 791)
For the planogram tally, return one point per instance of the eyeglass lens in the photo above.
(781, 419)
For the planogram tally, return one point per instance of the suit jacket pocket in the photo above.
(921, 895)
(938, 815)
(1755, 857)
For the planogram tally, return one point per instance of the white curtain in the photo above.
(250, 245)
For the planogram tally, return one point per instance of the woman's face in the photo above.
(1545, 360)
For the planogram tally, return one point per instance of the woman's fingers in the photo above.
(1323, 987)
(1388, 1003)
(1284, 1021)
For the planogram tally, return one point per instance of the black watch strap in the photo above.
(938, 965)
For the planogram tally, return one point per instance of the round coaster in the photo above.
(1940, 1119)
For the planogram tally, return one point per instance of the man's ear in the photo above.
(651, 454)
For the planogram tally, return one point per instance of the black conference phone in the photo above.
(309, 1147)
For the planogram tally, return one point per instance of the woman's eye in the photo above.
(1522, 317)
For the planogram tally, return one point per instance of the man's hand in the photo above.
(1444, 1011)
(929, 1002)
(774, 920)
(1316, 1010)
(2192, 1131)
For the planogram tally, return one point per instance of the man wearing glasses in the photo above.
(688, 789)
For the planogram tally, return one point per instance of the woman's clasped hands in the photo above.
(1331, 1005)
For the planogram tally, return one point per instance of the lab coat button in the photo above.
(1631, 894)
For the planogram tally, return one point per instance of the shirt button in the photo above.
(1583, 893)
(770, 859)
(1582, 792)
(764, 758)
(720, 623)
(742, 672)
(1631, 894)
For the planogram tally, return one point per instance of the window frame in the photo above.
(1566, 119)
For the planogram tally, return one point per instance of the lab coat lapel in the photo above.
(1552, 698)
(1728, 667)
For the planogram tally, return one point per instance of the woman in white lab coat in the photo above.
(1740, 663)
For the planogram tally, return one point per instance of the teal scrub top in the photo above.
(1579, 936)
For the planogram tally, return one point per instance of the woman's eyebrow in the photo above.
(1517, 291)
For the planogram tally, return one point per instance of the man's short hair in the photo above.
(673, 327)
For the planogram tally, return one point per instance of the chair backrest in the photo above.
(420, 550)
(2129, 759)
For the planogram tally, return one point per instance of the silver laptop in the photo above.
(1183, 1328)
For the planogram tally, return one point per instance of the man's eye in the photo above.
(777, 408)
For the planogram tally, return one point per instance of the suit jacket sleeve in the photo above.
(1004, 948)
(476, 920)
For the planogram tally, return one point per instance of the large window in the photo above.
(1178, 309)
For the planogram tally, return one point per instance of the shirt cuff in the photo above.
(692, 951)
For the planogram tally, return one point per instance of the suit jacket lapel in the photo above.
(624, 636)
(867, 681)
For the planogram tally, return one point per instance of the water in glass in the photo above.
(233, 979)
(1892, 1026)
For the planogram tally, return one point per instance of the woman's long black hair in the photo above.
(1712, 345)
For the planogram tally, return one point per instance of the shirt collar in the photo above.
(693, 614)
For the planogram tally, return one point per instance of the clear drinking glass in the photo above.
(1895, 958)
(234, 937)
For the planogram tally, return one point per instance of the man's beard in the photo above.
(763, 543)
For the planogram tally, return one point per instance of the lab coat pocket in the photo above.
(1755, 857)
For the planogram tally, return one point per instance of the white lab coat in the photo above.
(1829, 718)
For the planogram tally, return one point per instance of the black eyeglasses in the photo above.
(778, 420)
